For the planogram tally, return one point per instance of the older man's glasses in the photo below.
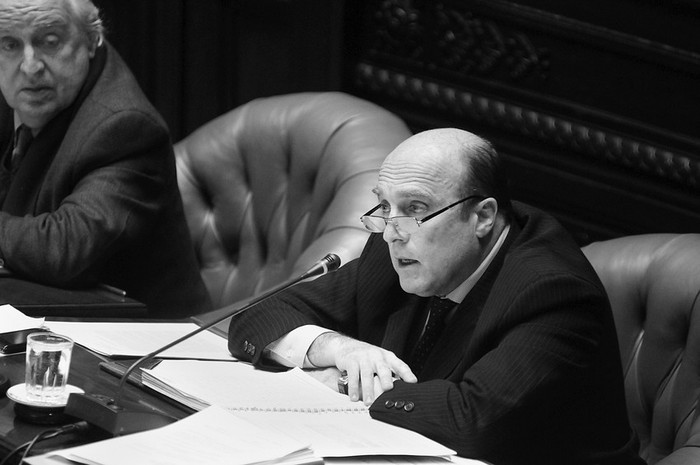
(404, 224)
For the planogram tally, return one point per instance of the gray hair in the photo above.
(486, 174)
(87, 16)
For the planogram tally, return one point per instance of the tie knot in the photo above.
(438, 310)
(439, 307)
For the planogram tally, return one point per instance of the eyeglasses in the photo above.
(404, 224)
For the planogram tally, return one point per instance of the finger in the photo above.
(385, 378)
(367, 385)
(378, 389)
(353, 384)
(403, 371)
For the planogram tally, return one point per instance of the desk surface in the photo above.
(86, 374)
(36, 299)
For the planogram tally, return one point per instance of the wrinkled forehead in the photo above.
(19, 14)
(423, 164)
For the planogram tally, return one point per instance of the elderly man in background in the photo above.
(468, 318)
(88, 190)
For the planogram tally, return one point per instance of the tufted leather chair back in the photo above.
(653, 282)
(272, 186)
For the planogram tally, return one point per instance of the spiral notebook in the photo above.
(238, 386)
(289, 403)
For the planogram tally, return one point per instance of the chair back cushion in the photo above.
(272, 186)
(653, 282)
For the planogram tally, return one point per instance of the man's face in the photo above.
(44, 59)
(420, 177)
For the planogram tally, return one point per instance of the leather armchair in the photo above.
(272, 186)
(653, 282)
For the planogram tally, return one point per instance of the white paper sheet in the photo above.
(210, 436)
(114, 339)
(291, 403)
(240, 386)
(12, 320)
(347, 435)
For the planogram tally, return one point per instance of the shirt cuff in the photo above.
(290, 350)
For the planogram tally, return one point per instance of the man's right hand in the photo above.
(362, 362)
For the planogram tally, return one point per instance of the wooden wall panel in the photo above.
(595, 104)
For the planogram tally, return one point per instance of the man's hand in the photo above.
(371, 369)
(328, 376)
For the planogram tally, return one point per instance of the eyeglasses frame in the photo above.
(418, 221)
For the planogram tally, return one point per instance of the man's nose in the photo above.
(32, 63)
(391, 232)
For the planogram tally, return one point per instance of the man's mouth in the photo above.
(36, 90)
(406, 261)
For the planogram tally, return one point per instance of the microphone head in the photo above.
(332, 262)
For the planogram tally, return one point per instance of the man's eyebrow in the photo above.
(412, 194)
(419, 195)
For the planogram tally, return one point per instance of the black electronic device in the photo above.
(118, 418)
(16, 341)
(4, 385)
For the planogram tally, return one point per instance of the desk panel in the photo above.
(37, 300)
(86, 374)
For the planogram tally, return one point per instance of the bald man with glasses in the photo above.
(471, 319)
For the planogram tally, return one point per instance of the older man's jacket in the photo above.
(95, 199)
(526, 371)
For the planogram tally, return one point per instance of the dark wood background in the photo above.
(594, 103)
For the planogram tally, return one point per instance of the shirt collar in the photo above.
(463, 289)
(18, 123)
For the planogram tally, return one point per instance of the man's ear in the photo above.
(94, 41)
(486, 212)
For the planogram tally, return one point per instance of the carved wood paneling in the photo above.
(574, 136)
(611, 112)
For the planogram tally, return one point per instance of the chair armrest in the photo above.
(686, 455)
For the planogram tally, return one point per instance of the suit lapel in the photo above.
(455, 339)
(398, 326)
(26, 181)
(455, 344)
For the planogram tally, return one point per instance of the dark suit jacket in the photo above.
(96, 199)
(527, 370)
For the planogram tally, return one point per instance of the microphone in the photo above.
(119, 417)
(330, 262)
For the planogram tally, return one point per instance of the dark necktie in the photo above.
(438, 309)
(23, 138)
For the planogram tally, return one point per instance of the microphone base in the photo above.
(115, 419)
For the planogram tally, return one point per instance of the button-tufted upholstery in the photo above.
(653, 282)
(272, 186)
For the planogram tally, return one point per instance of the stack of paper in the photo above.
(126, 340)
(291, 404)
(242, 387)
(249, 416)
(114, 339)
(211, 436)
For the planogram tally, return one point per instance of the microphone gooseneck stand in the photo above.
(119, 417)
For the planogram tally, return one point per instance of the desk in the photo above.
(34, 299)
(86, 374)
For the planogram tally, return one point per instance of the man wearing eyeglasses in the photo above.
(470, 319)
